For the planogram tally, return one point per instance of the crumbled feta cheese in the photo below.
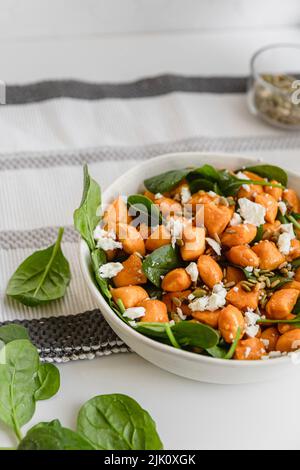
(247, 352)
(134, 312)
(217, 298)
(251, 327)
(106, 239)
(290, 274)
(158, 196)
(199, 304)
(242, 176)
(249, 269)
(210, 302)
(266, 342)
(212, 193)
(236, 219)
(110, 270)
(108, 244)
(185, 194)
(252, 212)
(282, 207)
(180, 313)
(215, 245)
(175, 227)
(288, 228)
(191, 297)
(284, 243)
(192, 270)
(99, 232)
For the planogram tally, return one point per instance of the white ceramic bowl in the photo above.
(184, 363)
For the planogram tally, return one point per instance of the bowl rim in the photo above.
(164, 348)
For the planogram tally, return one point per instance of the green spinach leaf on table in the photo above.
(47, 382)
(52, 436)
(42, 277)
(117, 421)
(12, 332)
(18, 385)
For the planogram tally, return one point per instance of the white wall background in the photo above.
(52, 18)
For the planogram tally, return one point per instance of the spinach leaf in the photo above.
(206, 185)
(98, 258)
(271, 172)
(282, 219)
(294, 221)
(233, 347)
(52, 436)
(117, 422)
(186, 333)
(259, 234)
(296, 310)
(283, 280)
(86, 217)
(47, 381)
(159, 263)
(18, 385)
(219, 351)
(296, 263)
(149, 212)
(165, 181)
(153, 291)
(192, 334)
(42, 277)
(206, 172)
(12, 332)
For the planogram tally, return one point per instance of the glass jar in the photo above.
(274, 85)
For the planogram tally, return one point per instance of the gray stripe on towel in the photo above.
(19, 161)
(147, 87)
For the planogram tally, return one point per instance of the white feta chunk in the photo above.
(251, 319)
(252, 212)
(236, 219)
(110, 270)
(134, 312)
(282, 207)
(185, 194)
(180, 313)
(288, 228)
(106, 239)
(284, 243)
(193, 272)
(175, 227)
(214, 245)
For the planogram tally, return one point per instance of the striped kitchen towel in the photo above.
(49, 129)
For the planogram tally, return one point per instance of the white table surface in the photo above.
(188, 414)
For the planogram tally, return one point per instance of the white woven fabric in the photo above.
(45, 144)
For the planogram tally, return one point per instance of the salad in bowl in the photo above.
(202, 259)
